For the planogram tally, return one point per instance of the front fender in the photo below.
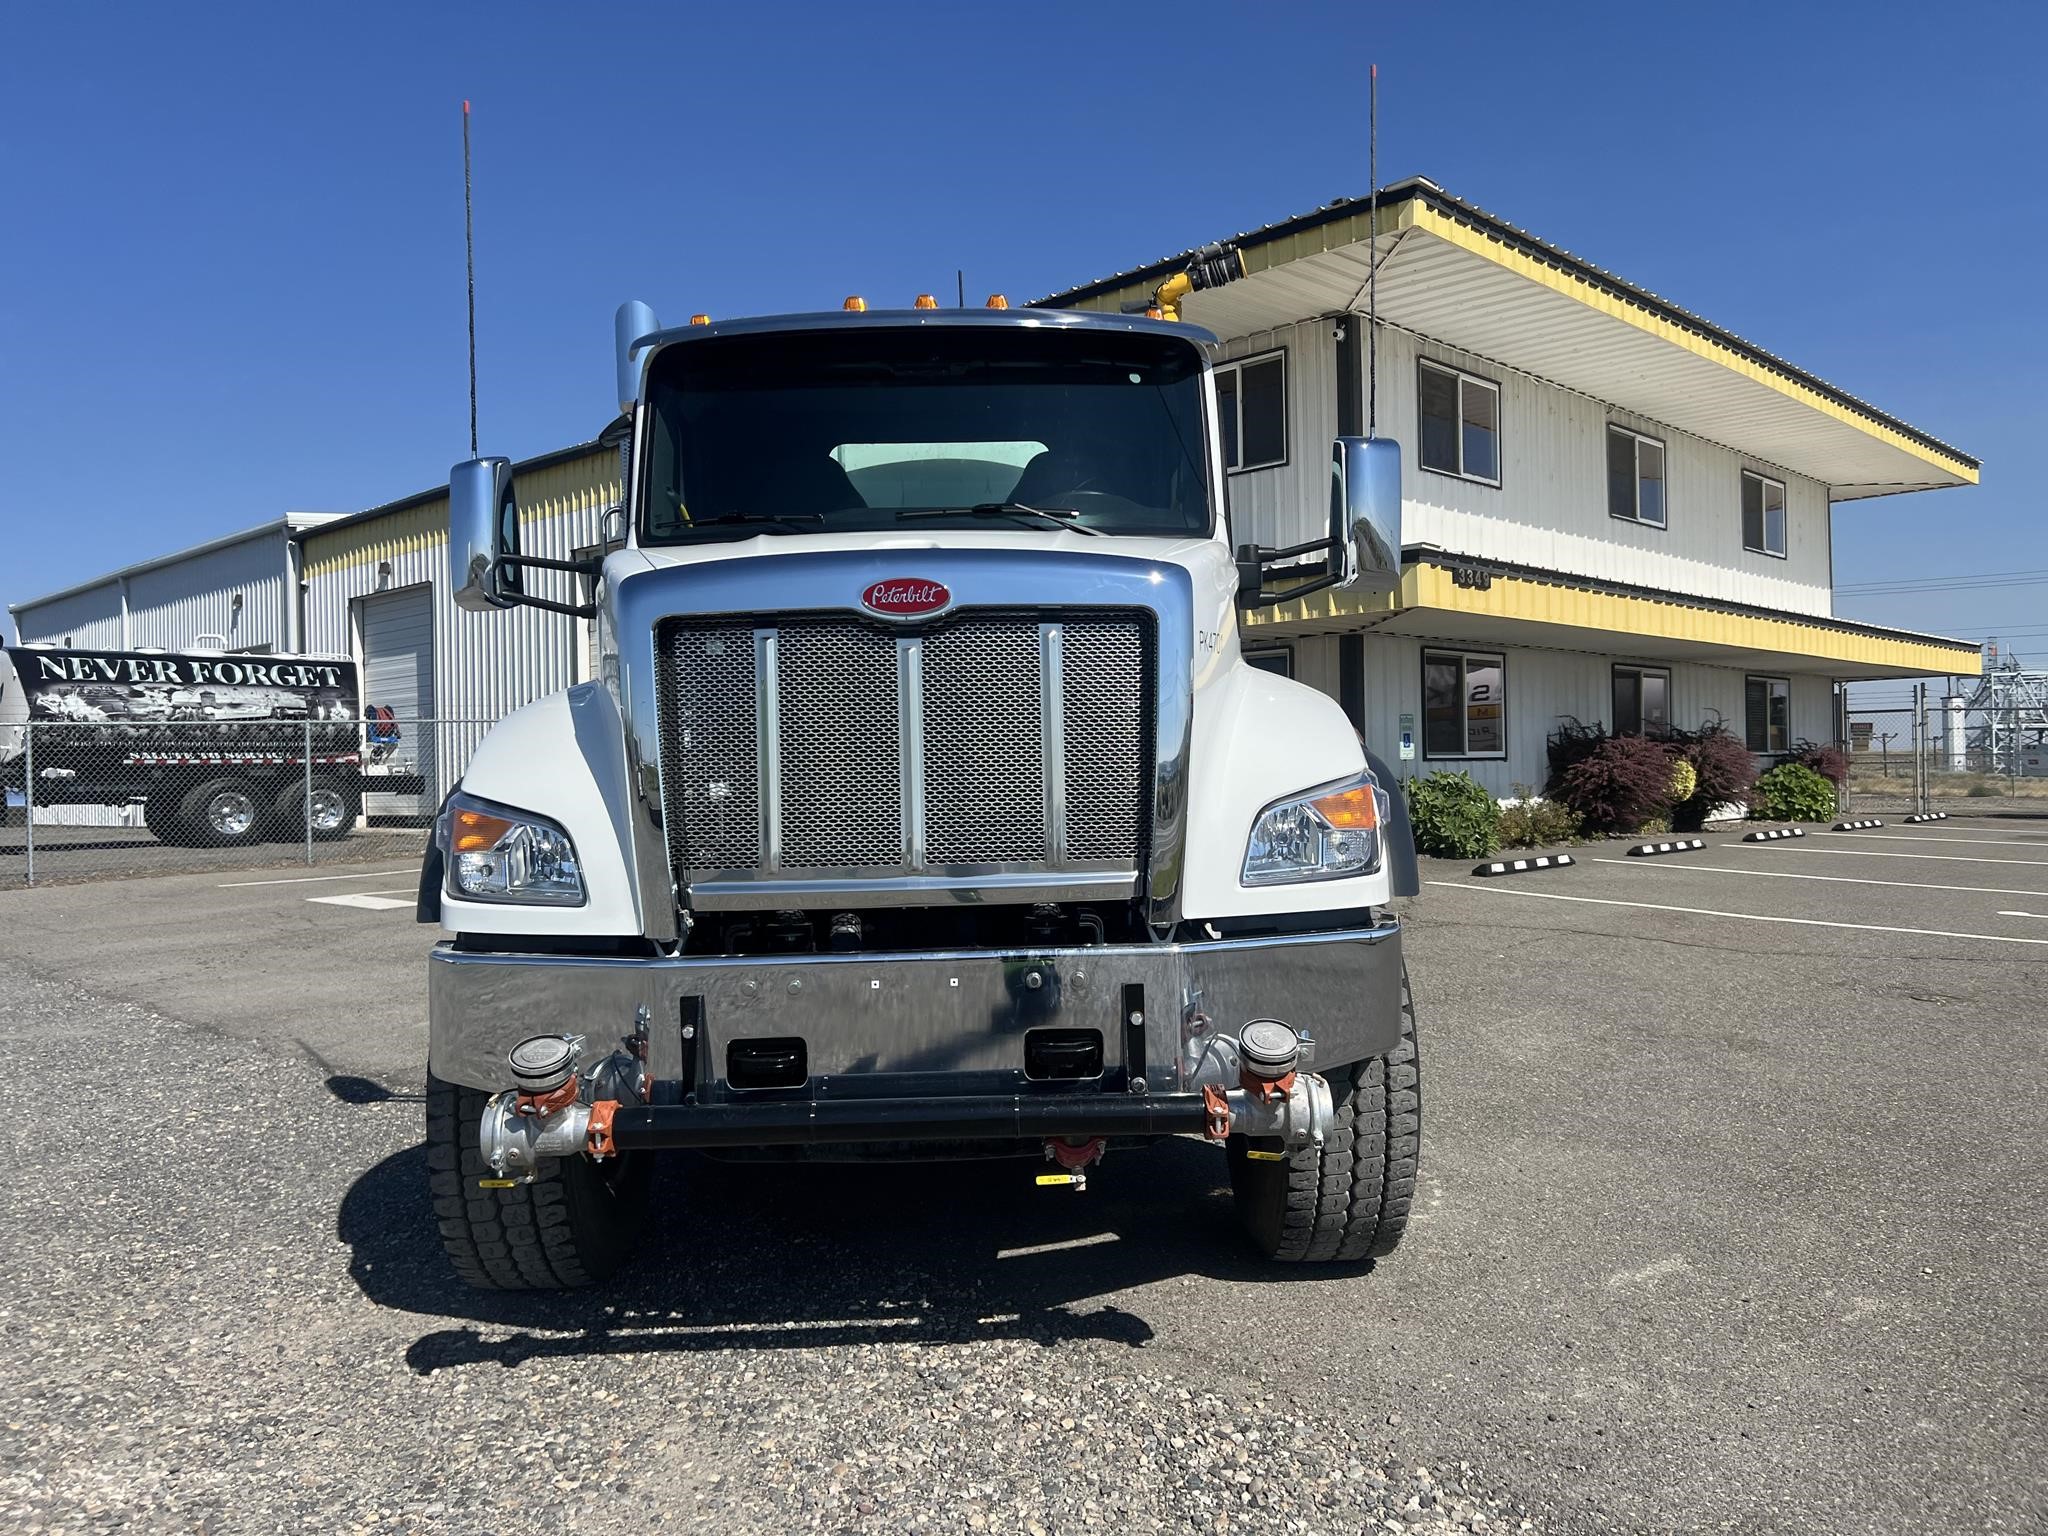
(563, 757)
(1259, 738)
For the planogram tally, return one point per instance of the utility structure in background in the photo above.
(2008, 712)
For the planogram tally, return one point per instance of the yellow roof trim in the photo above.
(1419, 215)
(1614, 614)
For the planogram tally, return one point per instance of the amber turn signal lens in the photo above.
(475, 832)
(1355, 810)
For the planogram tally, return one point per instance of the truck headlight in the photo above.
(498, 854)
(1326, 834)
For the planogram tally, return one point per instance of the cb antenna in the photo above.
(469, 241)
(1372, 271)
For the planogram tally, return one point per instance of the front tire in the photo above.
(1348, 1199)
(575, 1224)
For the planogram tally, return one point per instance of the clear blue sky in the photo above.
(231, 241)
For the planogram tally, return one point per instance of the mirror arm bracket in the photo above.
(591, 568)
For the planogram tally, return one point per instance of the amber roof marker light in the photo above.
(997, 301)
(926, 301)
(855, 304)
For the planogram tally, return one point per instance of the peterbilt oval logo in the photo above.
(904, 597)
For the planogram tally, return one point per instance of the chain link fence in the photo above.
(1942, 757)
(88, 799)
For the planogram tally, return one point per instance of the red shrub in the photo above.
(1726, 772)
(1831, 763)
(1624, 782)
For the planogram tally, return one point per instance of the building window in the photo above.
(1767, 713)
(1460, 424)
(1763, 515)
(1277, 659)
(1642, 701)
(1464, 705)
(1635, 477)
(1251, 402)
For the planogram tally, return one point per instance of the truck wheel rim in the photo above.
(231, 813)
(327, 811)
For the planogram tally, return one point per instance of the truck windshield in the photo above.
(976, 426)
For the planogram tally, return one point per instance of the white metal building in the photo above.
(1614, 511)
(239, 587)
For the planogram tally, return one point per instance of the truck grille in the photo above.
(832, 745)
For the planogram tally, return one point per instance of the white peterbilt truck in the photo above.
(925, 806)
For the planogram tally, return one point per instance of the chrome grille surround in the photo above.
(827, 584)
(959, 748)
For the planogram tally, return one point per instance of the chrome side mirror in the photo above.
(483, 528)
(1365, 512)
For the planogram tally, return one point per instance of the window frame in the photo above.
(1764, 516)
(1639, 670)
(1500, 432)
(1465, 656)
(1767, 679)
(1235, 366)
(1616, 429)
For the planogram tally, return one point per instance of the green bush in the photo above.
(1792, 792)
(1534, 823)
(1453, 815)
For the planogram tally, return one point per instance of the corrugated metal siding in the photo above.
(87, 619)
(172, 605)
(1550, 510)
(1545, 689)
(485, 665)
(1267, 506)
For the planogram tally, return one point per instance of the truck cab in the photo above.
(925, 805)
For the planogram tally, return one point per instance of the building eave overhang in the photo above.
(1456, 274)
(1445, 597)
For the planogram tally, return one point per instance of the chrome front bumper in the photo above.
(920, 1025)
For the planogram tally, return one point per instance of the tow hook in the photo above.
(547, 1114)
(1073, 1154)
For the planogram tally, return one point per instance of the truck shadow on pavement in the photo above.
(767, 1256)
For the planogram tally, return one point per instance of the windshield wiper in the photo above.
(1059, 517)
(795, 520)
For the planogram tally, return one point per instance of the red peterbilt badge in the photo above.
(902, 597)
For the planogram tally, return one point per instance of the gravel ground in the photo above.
(1725, 1224)
(196, 1344)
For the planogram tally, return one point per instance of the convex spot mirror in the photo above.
(1365, 511)
(483, 528)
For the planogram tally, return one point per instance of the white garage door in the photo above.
(398, 675)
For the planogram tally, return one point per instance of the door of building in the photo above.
(397, 630)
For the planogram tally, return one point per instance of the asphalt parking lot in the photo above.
(1731, 1219)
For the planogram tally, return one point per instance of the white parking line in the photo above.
(1879, 853)
(375, 874)
(1746, 917)
(366, 902)
(2042, 915)
(1785, 874)
(1915, 837)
